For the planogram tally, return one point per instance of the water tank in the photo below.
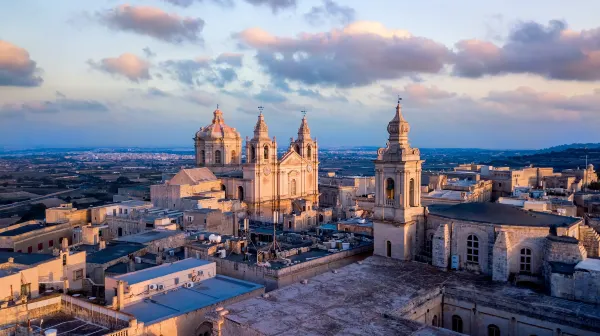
(345, 246)
(50, 332)
(211, 238)
(223, 253)
(217, 239)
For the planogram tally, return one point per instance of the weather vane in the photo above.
(260, 108)
(303, 112)
(217, 106)
(399, 99)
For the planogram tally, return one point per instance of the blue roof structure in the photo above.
(162, 270)
(112, 251)
(21, 230)
(148, 236)
(184, 300)
(25, 258)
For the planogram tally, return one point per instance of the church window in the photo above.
(233, 157)
(493, 330)
(252, 154)
(413, 201)
(293, 187)
(297, 149)
(241, 193)
(217, 156)
(457, 323)
(388, 249)
(473, 249)
(309, 152)
(202, 156)
(434, 322)
(525, 260)
(266, 152)
(389, 188)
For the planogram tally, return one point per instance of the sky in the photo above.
(486, 74)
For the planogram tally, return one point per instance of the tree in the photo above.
(123, 180)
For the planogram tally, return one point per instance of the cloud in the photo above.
(154, 92)
(232, 59)
(148, 52)
(127, 65)
(330, 10)
(274, 5)
(552, 51)
(17, 68)
(153, 22)
(218, 72)
(270, 96)
(202, 98)
(316, 94)
(417, 93)
(53, 106)
(357, 55)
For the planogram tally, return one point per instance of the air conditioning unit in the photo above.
(138, 260)
(188, 285)
(153, 287)
(172, 253)
(161, 287)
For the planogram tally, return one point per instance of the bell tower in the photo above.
(398, 210)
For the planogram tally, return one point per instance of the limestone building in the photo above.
(267, 183)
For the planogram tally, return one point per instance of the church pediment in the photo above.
(291, 158)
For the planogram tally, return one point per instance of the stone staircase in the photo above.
(590, 240)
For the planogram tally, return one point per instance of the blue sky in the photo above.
(493, 74)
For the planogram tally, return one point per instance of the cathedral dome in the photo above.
(217, 129)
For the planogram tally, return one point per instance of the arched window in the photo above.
(252, 154)
(203, 156)
(293, 187)
(525, 260)
(429, 245)
(388, 249)
(217, 156)
(389, 188)
(241, 193)
(457, 323)
(321, 219)
(434, 321)
(473, 249)
(234, 158)
(309, 152)
(493, 330)
(223, 188)
(297, 149)
(266, 152)
(64, 260)
(413, 201)
(120, 232)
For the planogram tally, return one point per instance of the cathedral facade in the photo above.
(271, 185)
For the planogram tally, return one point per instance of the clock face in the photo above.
(267, 170)
(309, 168)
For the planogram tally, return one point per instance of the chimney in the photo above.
(120, 295)
(64, 244)
(101, 245)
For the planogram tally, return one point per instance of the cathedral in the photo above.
(272, 186)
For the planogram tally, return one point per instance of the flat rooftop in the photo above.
(502, 214)
(23, 229)
(66, 324)
(162, 270)
(123, 267)
(183, 300)
(357, 299)
(25, 258)
(148, 236)
(111, 252)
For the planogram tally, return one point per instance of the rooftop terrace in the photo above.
(148, 236)
(359, 298)
(111, 252)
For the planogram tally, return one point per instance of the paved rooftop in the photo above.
(148, 236)
(162, 270)
(357, 299)
(67, 325)
(184, 300)
(504, 214)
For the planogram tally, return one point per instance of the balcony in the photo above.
(390, 202)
